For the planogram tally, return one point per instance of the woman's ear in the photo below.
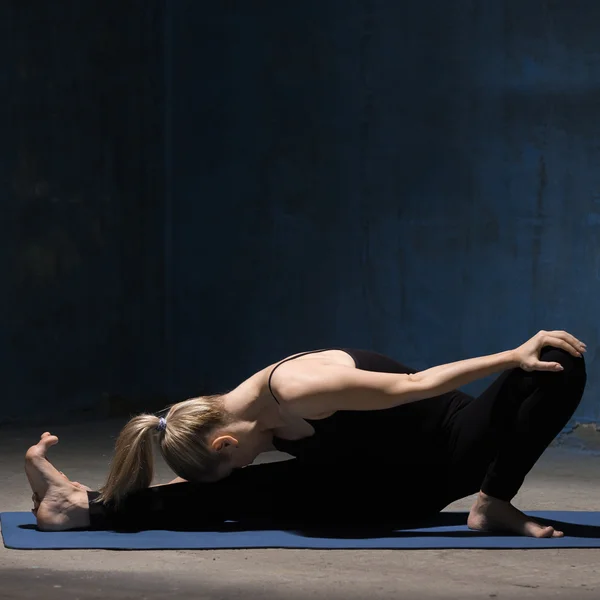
(223, 442)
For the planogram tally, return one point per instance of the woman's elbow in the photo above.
(412, 388)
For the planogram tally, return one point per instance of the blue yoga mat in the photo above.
(446, 530)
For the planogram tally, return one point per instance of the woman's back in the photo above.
(378, 437)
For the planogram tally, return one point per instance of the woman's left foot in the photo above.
(38, 484)
(58, 504)
(491, 514)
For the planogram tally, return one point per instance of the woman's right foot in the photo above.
(491, 514)
(62, 505)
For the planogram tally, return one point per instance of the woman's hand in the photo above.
(35, 498)
(528, 355)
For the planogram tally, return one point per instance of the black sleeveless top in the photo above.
(359, 435)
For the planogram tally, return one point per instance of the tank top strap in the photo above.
(286, 360)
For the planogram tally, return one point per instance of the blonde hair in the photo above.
(182, 443)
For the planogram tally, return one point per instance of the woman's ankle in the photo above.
(484, 498)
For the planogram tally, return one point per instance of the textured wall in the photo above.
(81, 170)
(415, 177)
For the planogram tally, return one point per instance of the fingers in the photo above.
(567, 337)
(557, 342)
(36, 504)
(552, 367)
(81, 486)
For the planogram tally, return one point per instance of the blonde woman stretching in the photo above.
(373, 441)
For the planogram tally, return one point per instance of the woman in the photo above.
(373, 441)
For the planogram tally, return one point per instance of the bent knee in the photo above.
(574, 366)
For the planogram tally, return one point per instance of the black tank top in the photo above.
(358, 435)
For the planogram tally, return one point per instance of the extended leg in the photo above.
(280, 492)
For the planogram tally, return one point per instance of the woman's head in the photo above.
(189, 441)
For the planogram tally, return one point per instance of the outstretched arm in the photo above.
(176, 480)
(312, 390)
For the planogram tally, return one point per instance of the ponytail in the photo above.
(182, 441)
(132, 467)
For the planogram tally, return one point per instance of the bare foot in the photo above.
(38, 483)
(491, 514)
(37, 500)
(61, 505)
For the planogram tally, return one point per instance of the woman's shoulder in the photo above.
(334, 356)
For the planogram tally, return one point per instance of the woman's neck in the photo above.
(245, 403)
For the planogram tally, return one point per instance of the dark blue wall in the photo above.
(81, 189)
(414, 177)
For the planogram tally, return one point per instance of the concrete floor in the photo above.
(565, 478)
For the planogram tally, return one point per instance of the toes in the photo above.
(547, 532)
(49, 440)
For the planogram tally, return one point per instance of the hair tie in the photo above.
(162, 424)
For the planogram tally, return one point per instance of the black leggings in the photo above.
(488, 443)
